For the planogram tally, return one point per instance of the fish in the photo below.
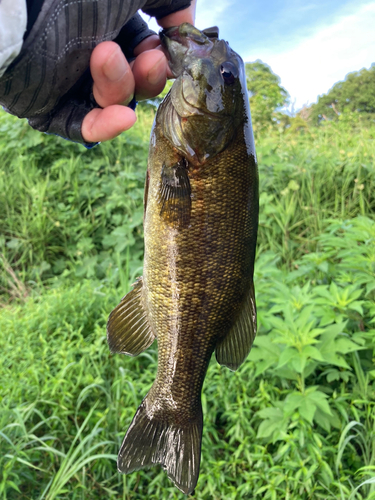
(196, 296)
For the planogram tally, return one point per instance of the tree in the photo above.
(266, 94)
(356, 94)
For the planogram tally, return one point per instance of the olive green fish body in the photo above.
(197, 294)
(196, 277)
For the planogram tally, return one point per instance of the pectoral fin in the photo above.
(128, 331)
(175, 194)
(233, 349)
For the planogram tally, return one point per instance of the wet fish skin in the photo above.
(201, 219)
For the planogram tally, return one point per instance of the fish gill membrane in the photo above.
(196, 295)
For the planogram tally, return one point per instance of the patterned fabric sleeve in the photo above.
(66, 118)
(49, 82)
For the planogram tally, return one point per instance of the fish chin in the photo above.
(191, 97)
(198, 136)
(185, 96)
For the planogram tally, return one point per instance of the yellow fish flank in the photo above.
(201, 216)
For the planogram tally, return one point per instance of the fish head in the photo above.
(208, 100)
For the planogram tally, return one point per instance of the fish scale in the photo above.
(223, 272)
(201, 216)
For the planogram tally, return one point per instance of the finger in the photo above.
(112, 75)
(150, 73)
(182, 16)
(149, 43)
(103, 124)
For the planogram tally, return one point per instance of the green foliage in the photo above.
(273, 427)
(69, 211)
(355, 94)
(297, 419)
(306, 178)
(266, 94)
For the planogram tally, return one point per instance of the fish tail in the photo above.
(152, 439)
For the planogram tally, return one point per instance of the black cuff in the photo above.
(65, 120)
(132, 34)
(174, 6)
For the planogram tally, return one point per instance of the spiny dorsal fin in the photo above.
(233, 349)
(175, 193)
(128, 331)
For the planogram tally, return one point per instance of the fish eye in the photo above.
(229, 72)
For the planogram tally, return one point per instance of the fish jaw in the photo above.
(198, 58)
(179, 41)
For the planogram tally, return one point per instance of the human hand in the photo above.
(115, 84)
(116, 81)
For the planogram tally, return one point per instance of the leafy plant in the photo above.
(295, 422)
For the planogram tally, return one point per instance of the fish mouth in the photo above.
(177, 41)
(182, 34)
(173, 44)
(173, 48)
(187, 30)
(182, 45)
(167, 34)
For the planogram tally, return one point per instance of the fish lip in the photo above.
(182, 34)
(173, 46)
(172, 33)
(169, 37)
(185, 35)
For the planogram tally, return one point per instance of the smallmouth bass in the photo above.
(201, 218)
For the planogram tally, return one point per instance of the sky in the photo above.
(310, 45)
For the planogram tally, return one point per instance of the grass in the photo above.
(295, 422)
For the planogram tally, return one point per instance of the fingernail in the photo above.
(155, 75)
(116, 67)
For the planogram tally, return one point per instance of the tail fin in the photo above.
(151, 440)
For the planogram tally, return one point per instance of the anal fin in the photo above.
(233, 349)
(128, 331)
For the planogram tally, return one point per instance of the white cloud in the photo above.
(316, 63)
(211, 13)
